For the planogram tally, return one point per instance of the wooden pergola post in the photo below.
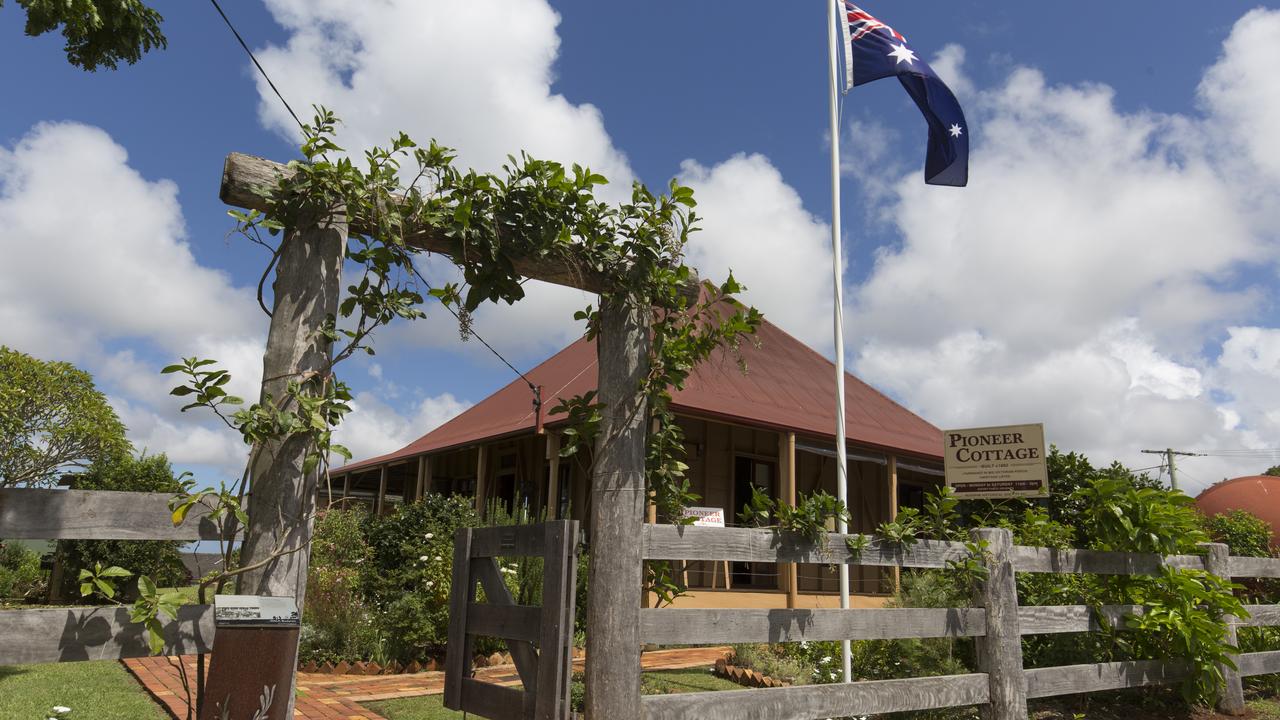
(616, 574)
(281, 497)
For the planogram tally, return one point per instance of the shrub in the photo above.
(407, 577)
(1242, 531)
(337, 624)
(158, 559)
(20, 575)
(1246, 534)
(776, 661)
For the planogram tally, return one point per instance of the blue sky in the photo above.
(1110, 271)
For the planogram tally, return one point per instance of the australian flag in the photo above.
(874, 50)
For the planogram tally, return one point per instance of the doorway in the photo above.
(750, 473)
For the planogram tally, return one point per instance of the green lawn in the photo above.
(100, 690)
(664, 681)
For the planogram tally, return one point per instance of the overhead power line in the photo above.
(256, 64)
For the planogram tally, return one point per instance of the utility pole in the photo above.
(1168, 453)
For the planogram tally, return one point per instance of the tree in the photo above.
(1273, 471)
(99, 33)
(51, 418)
(158, 559)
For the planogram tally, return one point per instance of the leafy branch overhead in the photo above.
(98, 33)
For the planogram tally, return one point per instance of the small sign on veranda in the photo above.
(996, 462)
(705, 516)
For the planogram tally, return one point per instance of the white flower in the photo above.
(431, 583)
(833, 676)
(429, 535)
(438, 558)
(825, 660)
(423, 558)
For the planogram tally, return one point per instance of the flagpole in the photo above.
(842, 483)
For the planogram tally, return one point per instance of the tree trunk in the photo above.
(616, 575)
(281, 498)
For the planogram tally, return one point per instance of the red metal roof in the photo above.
(1256, 494)
(787, 386)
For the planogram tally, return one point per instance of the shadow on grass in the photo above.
(7, 671)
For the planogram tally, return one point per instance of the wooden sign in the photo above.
(996, 462)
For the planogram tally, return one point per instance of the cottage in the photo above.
(770, 428)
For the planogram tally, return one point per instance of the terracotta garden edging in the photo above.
(745, 676)
(371, 668)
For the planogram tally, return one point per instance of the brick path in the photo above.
(339, 697)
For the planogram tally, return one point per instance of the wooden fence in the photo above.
(67, 634)
(997, 625)
(540, 638)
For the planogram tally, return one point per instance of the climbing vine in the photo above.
(404, 197)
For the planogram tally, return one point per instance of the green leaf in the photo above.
(155, 636)
(180, 513)
(146, 588)
(105, 587)
(115, 571)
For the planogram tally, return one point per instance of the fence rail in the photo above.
(30, 514)
(100, 633)
(1005, 685)
(69, 634)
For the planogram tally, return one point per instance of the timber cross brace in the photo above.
(307, 285)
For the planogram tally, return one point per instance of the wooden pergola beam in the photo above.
(245, 178)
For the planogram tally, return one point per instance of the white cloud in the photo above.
(1241, 92)
(436, 69)
(375, 428)
(755, 224)
(77, 218)
(1093, 257)
(95, 256)
(184, 441)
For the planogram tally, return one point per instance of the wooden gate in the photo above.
(540, 638)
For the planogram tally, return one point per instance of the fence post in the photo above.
(1000, 651)
(1231, 697)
